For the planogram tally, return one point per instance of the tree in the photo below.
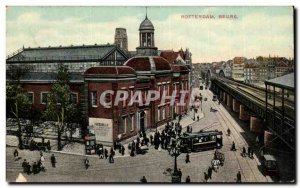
(59, 106)
(17, 103)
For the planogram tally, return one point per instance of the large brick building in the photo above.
(145, 72)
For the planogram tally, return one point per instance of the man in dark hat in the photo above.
(144, 180)
(180, 174)
(34, 168)
(233, 147)
(239, 177)
(209, 172)
(86, 163)
(249, 151)
(105, 153)
(188, 180)
(24, 165)
(53, 160)
(187, 158)
(244, 152)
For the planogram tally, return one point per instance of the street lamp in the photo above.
(176, 152)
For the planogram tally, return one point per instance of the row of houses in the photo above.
(253, 70)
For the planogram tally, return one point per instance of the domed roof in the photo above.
(149, 63)
(110, 71)
(146, 25)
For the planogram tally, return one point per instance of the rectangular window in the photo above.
(158, 114)
(94, 99)
(73, 98)
(122, 125)
(130, 122)
(44, 96)
(164, 113)
(30, 97)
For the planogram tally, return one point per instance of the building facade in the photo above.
(238, 68)
(142, 74)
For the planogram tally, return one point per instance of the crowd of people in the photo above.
(35, 167)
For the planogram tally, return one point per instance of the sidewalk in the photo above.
(76, 148)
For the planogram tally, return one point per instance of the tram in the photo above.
(199, 141)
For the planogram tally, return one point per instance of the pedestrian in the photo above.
(228, 132)
(132, 153)
(24, 165)
(16, 154)
(143, 180)
(209, 172)
(28, 167)
(244, 152)
(249, 151)
(115, 145)
(188, 180)
(105, 153)
(86, 163)
(111, 156)
(34, 168)
(239, 177)
(120, 148)
(100, 152)
(42, 158)
(123, 150)
(180, 174)
(48, 145)
(40, 166)
(252, 152)
(151, 139)
(197, 117)
(53, 160)
(187, 158)
(166, 142)
(233, 147)
(205, 176)
(216, 154)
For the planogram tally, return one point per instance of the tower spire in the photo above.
(146, 13)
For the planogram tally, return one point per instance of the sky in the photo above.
(256, 31)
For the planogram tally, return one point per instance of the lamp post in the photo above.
(175, 175)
